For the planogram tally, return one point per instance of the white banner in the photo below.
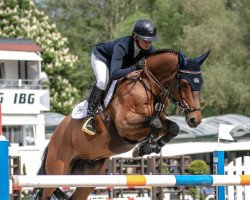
(24, 101)
(224, 131)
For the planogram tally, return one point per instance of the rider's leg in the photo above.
(102, 78)
(93, 102)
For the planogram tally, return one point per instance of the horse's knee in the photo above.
(173, 128)
(171, 132)
(155, 123)
(56, 168)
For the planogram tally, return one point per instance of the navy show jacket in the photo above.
(118, 55)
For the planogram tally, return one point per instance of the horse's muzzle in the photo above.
(193, 119)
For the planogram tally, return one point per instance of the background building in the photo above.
(23, 97)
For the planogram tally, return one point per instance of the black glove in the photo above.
(140, 64)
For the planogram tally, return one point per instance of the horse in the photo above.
(134, 119)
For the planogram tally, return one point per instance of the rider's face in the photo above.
(144, 44)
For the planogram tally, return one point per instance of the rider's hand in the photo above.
(140, 64)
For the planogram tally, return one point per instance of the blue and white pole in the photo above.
(4, 164)
(4, 168)
(218, 169)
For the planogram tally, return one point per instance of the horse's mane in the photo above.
(160, 51)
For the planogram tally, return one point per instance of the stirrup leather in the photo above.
(88, 127)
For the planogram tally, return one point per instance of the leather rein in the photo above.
(167, 92)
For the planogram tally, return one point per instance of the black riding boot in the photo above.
(93, 102)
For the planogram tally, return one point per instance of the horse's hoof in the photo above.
(136, 152)
(157, 149)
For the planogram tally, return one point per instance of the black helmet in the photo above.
(146, 30)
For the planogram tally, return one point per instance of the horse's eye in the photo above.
(184, 84)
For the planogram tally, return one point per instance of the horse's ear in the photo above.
(202, 58)
(182, 59)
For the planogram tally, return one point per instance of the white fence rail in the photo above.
(240, 166)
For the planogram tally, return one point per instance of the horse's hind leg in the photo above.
(56, 166)
(81, 193)
(47, 193)
(45, 169)
(88, 168)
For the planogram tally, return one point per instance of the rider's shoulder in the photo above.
(125, 40)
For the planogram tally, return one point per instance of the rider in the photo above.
(116, 59)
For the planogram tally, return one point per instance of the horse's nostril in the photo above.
(192, 120)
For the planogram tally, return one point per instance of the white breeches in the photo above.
(101, 72)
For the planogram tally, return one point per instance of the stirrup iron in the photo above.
(85, 128)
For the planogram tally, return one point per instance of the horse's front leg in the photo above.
(134, 127)
(170, 130)
(150, 145)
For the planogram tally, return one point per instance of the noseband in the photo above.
(167, 92)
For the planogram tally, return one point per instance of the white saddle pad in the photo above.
(80, 110)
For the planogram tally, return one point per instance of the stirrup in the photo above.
(85, 127)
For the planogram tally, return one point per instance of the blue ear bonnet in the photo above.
(190, 70)
(195, 80)
(191, 65)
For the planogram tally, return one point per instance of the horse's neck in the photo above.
(163, 67)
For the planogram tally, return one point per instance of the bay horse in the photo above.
(135, 116)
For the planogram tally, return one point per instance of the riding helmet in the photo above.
(146, 30)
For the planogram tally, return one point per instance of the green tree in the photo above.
(85, 23)
(197, 167)
(21, 19)
(211, 26)
(170, 20)
(196, 26)
(193, 26)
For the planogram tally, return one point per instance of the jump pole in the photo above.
(46, 181)
(4, 164)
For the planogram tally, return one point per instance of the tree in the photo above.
(197, 167)
(211, 26)
(193, 26)
(86, 23)
(197, 26)
(21, 19)
(170, 20)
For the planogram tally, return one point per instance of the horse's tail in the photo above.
(37, 192)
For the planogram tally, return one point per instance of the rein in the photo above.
(167, 92)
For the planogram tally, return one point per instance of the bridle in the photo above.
(183, 106)
(166, 92)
